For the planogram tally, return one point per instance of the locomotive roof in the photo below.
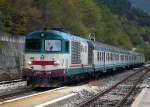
(69, 36)
(56, 34)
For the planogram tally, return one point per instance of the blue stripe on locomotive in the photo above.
(76, 71)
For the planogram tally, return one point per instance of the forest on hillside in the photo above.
(114, 22)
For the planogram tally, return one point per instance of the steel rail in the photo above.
(94, 98)
(12, 81)
(14, 92)
(124, 100)
(5, 96)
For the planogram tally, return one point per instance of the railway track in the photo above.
(110, 97)
(117, 95)
(12, 81)
(12, 88)
(15, 93)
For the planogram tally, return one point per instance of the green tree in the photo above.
(145, 49)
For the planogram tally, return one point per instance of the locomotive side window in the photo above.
(33, 45)
(53, 45)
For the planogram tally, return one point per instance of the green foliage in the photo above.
(1, 46)
(19, 16)
(145, 49)
(1, 25)
(146, 34)
(113, 21)
(135, 23)
(121, 7)
(125, 9)
(113, 30)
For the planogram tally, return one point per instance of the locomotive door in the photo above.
(90, 52)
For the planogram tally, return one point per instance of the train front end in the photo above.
(46, 59)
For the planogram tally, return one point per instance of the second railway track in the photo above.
(117, 95)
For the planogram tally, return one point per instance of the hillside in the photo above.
(135, 22)
(113, 21)
(142, 4)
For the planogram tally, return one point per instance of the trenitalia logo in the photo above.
(42, 57)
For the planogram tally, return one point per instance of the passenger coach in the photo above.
(55, 57)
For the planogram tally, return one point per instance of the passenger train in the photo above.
(54, 57)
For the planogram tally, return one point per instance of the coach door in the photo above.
(90, 53)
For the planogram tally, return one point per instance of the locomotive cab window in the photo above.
(33, 45)
(53, 45)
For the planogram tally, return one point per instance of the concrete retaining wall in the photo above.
(11, 56)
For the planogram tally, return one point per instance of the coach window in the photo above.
(121, 57)
(85, 49)
(100, 56)
(111, 56)
(118, 57)
(107, 56)
(81, 48)
(97, 56)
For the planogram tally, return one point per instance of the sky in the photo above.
(143, 4)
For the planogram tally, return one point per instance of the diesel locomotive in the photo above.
(54, 57)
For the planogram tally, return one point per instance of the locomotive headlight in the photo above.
(29, 62)
(56, 62)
